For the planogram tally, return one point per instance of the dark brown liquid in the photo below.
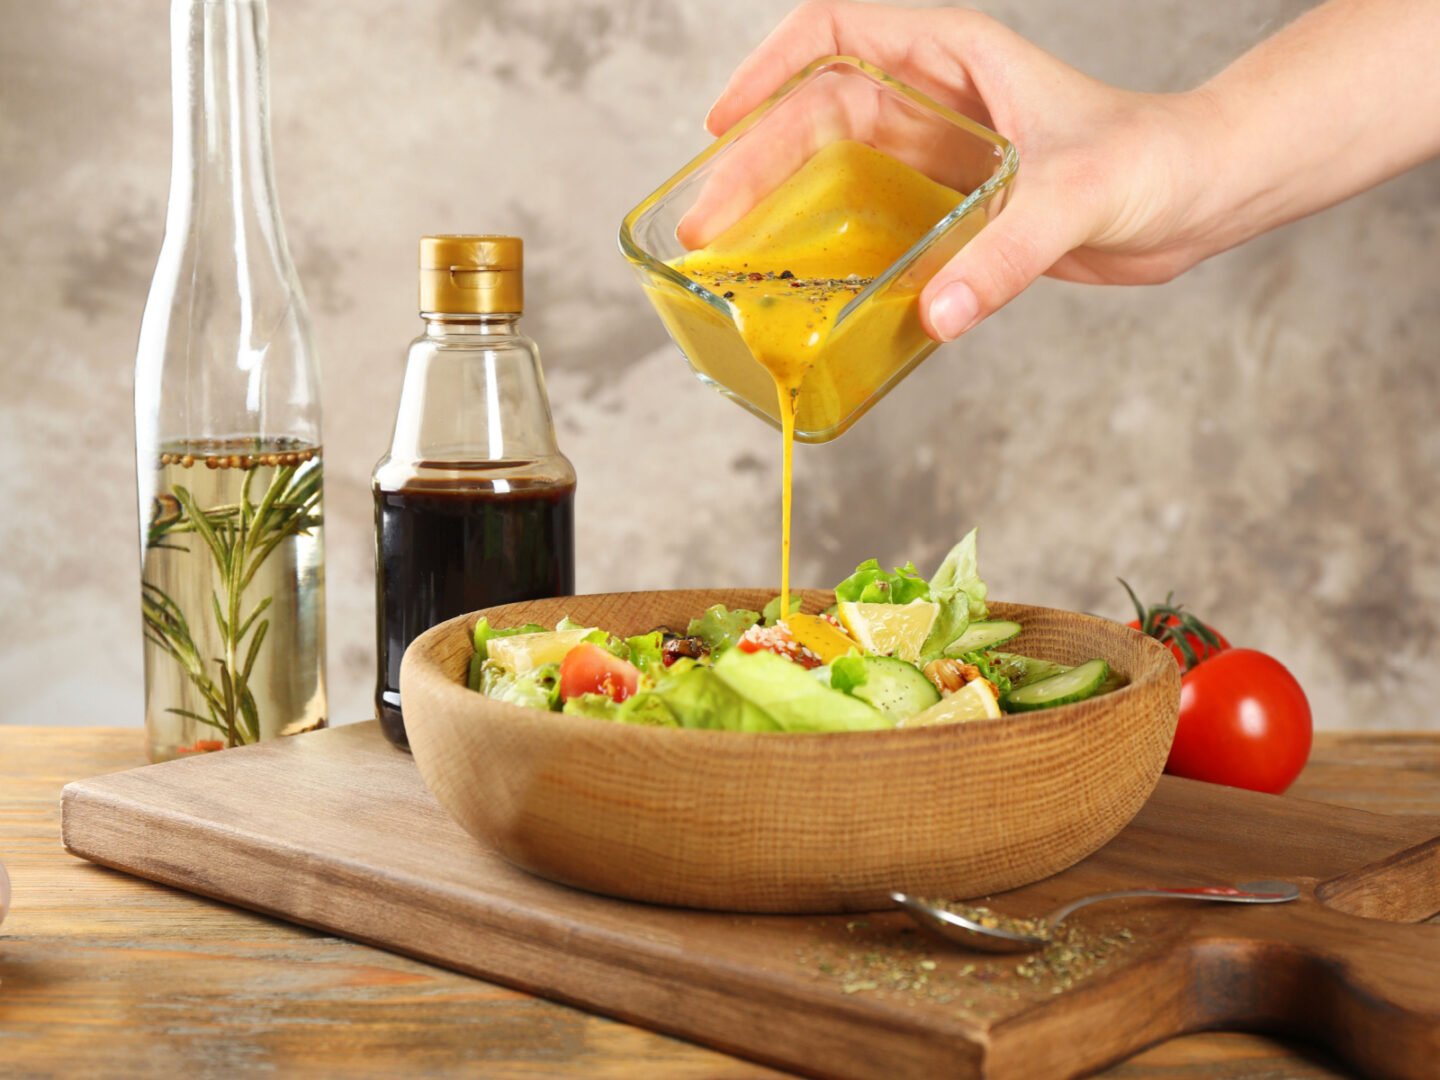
(445, 553)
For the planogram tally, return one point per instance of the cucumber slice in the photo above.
(1077, 684)
(983, 635)
(896, 687)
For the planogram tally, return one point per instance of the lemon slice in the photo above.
(820, 637)
(889, 629)
(526, 652)
(973, 701)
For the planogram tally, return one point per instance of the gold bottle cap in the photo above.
(472, 275)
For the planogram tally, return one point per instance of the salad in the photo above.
(896, 650)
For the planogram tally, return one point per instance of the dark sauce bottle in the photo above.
(474, 503)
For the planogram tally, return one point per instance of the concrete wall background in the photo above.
(1261, 435)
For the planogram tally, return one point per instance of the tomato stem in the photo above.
(1172, 624)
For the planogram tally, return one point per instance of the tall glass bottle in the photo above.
(474, 503)
(227, 419)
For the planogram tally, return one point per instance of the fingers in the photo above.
(1028, 237)
(882, 35)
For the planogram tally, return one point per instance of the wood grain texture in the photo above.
(378, 860)
(104, 974)
(785, 823)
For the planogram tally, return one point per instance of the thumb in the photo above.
(1027, 238)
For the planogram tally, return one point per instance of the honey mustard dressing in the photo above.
(789, 267)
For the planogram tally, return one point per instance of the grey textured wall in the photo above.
(1261, 434)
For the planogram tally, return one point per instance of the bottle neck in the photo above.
(225, 345)
(221, 100)
(438, 325)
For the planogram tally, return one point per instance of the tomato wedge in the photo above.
(589, 669)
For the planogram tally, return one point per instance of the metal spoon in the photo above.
(1012, 938)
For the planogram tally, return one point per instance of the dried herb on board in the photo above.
(900, 964)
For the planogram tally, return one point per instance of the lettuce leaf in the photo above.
(535, 689)
(872, 585)
(483, 635)
(793, 698)
(771, 615)
(644, 650)
(961, 594)
(610, 643)
(698, 698)
(959, 574)
(645, 708)
(720, 628)
(996, 673)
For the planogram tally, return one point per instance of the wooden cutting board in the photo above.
(335, 830)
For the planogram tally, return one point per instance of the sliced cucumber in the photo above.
(1023, 670)
(896, 687)
(983, 635)
(1077, 684)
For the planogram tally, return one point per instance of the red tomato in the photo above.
(1244, 722)
(589, 669)
(1167, 629)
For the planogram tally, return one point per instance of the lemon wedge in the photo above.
(526, 652)
(973, 701)
(821, 637)
(889, 629)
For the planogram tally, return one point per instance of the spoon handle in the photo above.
(1222, 893)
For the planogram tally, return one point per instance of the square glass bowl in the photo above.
(877, 338)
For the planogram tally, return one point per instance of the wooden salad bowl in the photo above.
(739, 821)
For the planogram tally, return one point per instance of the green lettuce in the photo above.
(535, 689)
(872, 585)
(771, 615)
(957, 588)
(609, 642)
(645, 652)
(720, 628)
(793, 698)
(646, 708)
(483, 635)
(959, 575)
(846, 674)
(998, 674)
(698, 698)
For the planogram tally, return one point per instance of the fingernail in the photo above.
(954, 311)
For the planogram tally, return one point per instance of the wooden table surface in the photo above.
(104, 974)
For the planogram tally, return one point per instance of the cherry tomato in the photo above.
(1244, 722)
(589, 669)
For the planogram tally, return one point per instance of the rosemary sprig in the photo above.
(239, 539)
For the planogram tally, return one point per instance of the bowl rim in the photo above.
(976, 730)
(992, 188)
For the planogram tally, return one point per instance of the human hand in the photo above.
(1109, 179)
